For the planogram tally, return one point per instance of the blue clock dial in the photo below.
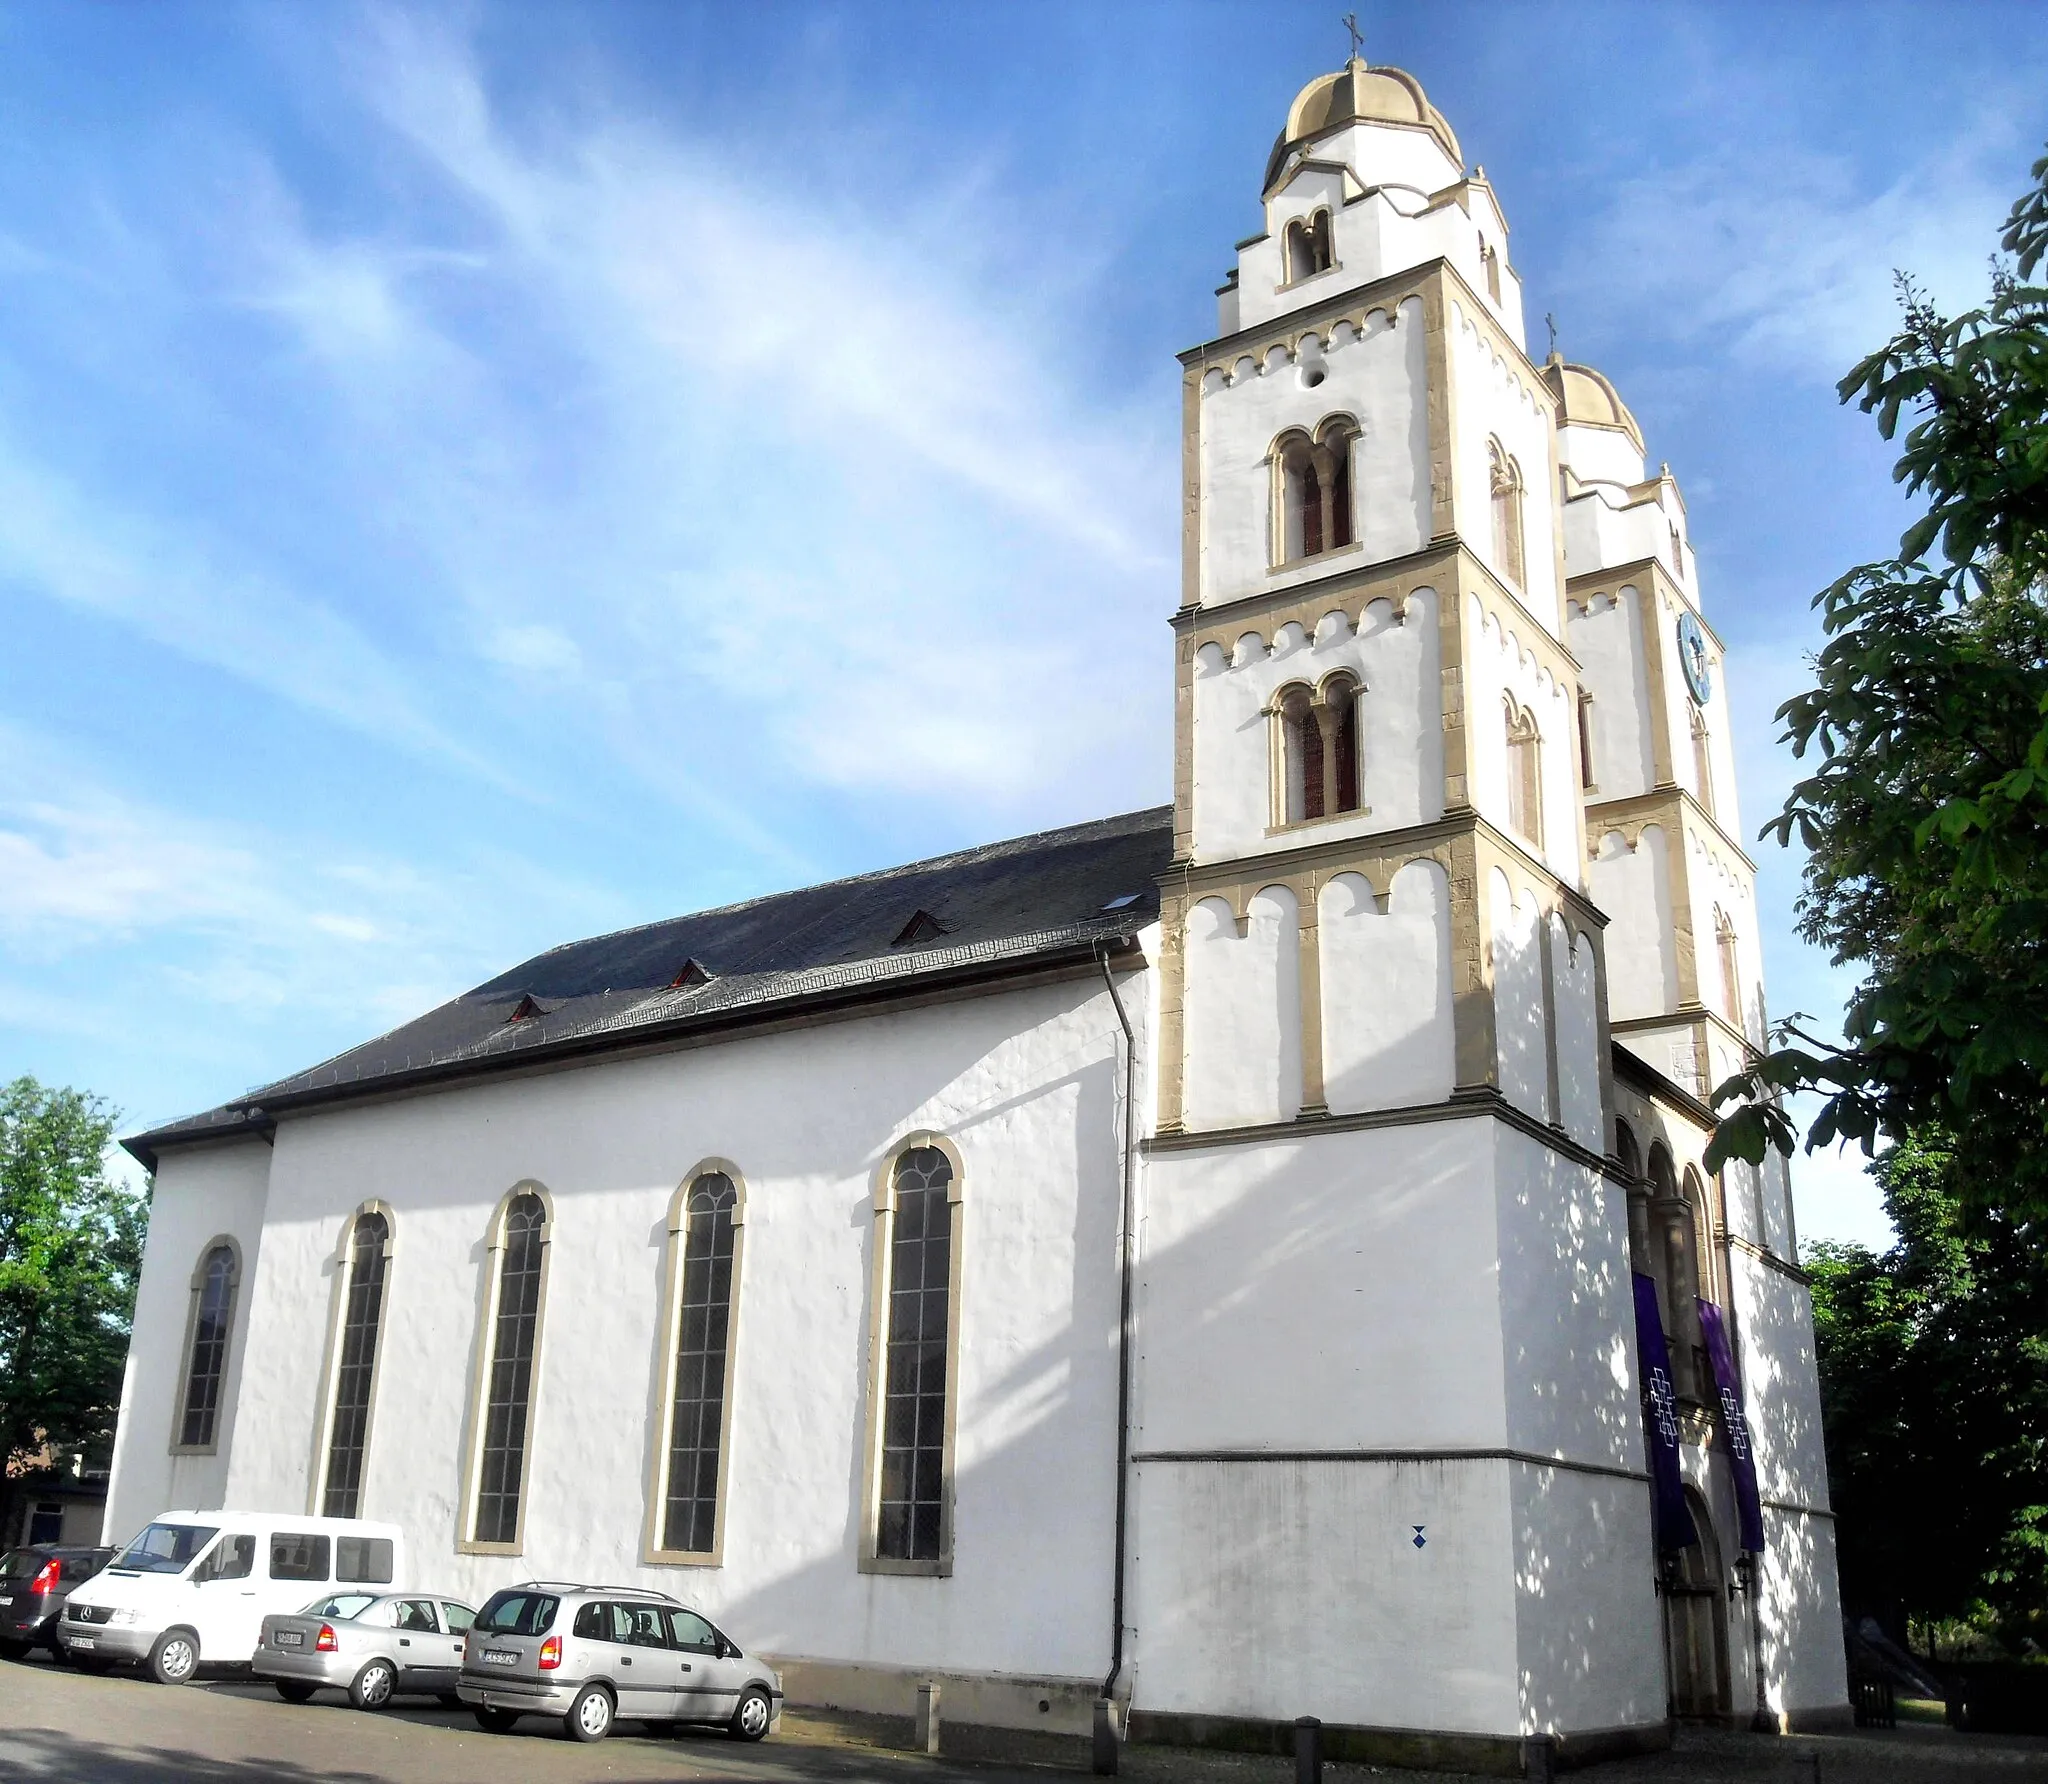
(1692, 659)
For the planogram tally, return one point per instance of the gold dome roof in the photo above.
(1587, 399)
(1358, 94)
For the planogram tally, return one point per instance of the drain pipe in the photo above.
(1107, 1733)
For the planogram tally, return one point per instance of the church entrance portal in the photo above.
(1696, 1623)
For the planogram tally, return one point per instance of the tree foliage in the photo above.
(1925, 815)
(1934, 1393)
(70, 1254)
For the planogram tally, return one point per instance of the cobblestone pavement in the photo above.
(65, 1728)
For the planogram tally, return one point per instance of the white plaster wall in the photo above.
(1632, 884)
(1574, 996)
(1499, 664)
(1519, 1027)
(1500, 400)
(1669, 1050)
(1780, 1382)
(1379, 377)
(1805, 1667)
(1294, 1588)
(1586, 1609)
(1606, 636)
(1024, 1083)
(1400, 725)
(1717, 880)
(1607, 525)
(1332, 1292)
(1386, 990)
(201, 1192)
(1599, 455)
(1242, 1002)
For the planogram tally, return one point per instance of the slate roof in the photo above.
(987, 913)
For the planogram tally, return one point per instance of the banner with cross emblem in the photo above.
(1660, 1424)
(1734, 1427)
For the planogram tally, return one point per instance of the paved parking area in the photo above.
(66, 1728)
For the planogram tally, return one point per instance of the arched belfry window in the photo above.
(1702, 760)
(1731, 971)
(1312, 497)
(705, 1221)
(211, 1324)
(1489, 261)
(1308, 247)
(1319, 765)
(1525, 774)
(1505, 481)
(518, 1257)
(355, 1363)
(917, 1283)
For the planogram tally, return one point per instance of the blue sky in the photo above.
(472, 477)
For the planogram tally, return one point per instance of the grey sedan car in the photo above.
(371, 1645)
(591, 1654)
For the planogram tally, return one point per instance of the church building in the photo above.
(1220, 1264)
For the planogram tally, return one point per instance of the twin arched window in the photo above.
(1319, 749)
(1525, 774)
(1504, 478)
(206, 1348)
(1307, 246)
(355, 1368)
(1312, 500)
(1671, 1241)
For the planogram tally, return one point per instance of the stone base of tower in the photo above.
(1501, 1756)
(1389, 1466)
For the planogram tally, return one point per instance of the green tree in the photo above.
(1934, 1399)
(70, 1253)
(1925, 816)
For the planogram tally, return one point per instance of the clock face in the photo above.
(1692, 658)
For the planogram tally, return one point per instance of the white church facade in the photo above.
(1238, 1260)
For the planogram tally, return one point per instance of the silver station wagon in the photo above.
(373, 1645)
(592, 1654)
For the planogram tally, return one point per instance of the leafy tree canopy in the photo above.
(70, 1253)
(1925, 816)
(1934, 1396)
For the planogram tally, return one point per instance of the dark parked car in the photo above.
(34, 1583)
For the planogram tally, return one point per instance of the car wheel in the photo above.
(13, 1650)
(374, 1685)
(292, 1691)
(175, 1658)
(751, 1716)
(495, 1721)
(590, 1716)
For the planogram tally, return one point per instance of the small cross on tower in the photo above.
(1357, 42)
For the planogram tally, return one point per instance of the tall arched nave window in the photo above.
(704, 1236)
(212, 1322)
(917, 1246)
(1525, 774)
(355, 1368)
(1505, 480)
(518, 1255)
(1308, 247)
(1670, 1240)
(1319, 765)
(1313, 497)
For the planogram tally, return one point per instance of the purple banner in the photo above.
(1660, 1424)
(1741, 1457)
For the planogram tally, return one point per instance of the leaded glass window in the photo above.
(357, 1366)
(509, 1376)
(910, 1527)
(703, 1331)
(212, 1320)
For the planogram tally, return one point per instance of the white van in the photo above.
(195, 1586)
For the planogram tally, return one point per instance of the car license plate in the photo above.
(498, 1657)
(7, 1600)
(81, 1641)
(289, 1638)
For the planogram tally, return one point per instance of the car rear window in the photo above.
(365, 1560)
(297, 1557)
(518, 1613)
(165, 1548)
(343, 1605)
(21, 1564)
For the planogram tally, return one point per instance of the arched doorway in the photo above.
(1696, 1622)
